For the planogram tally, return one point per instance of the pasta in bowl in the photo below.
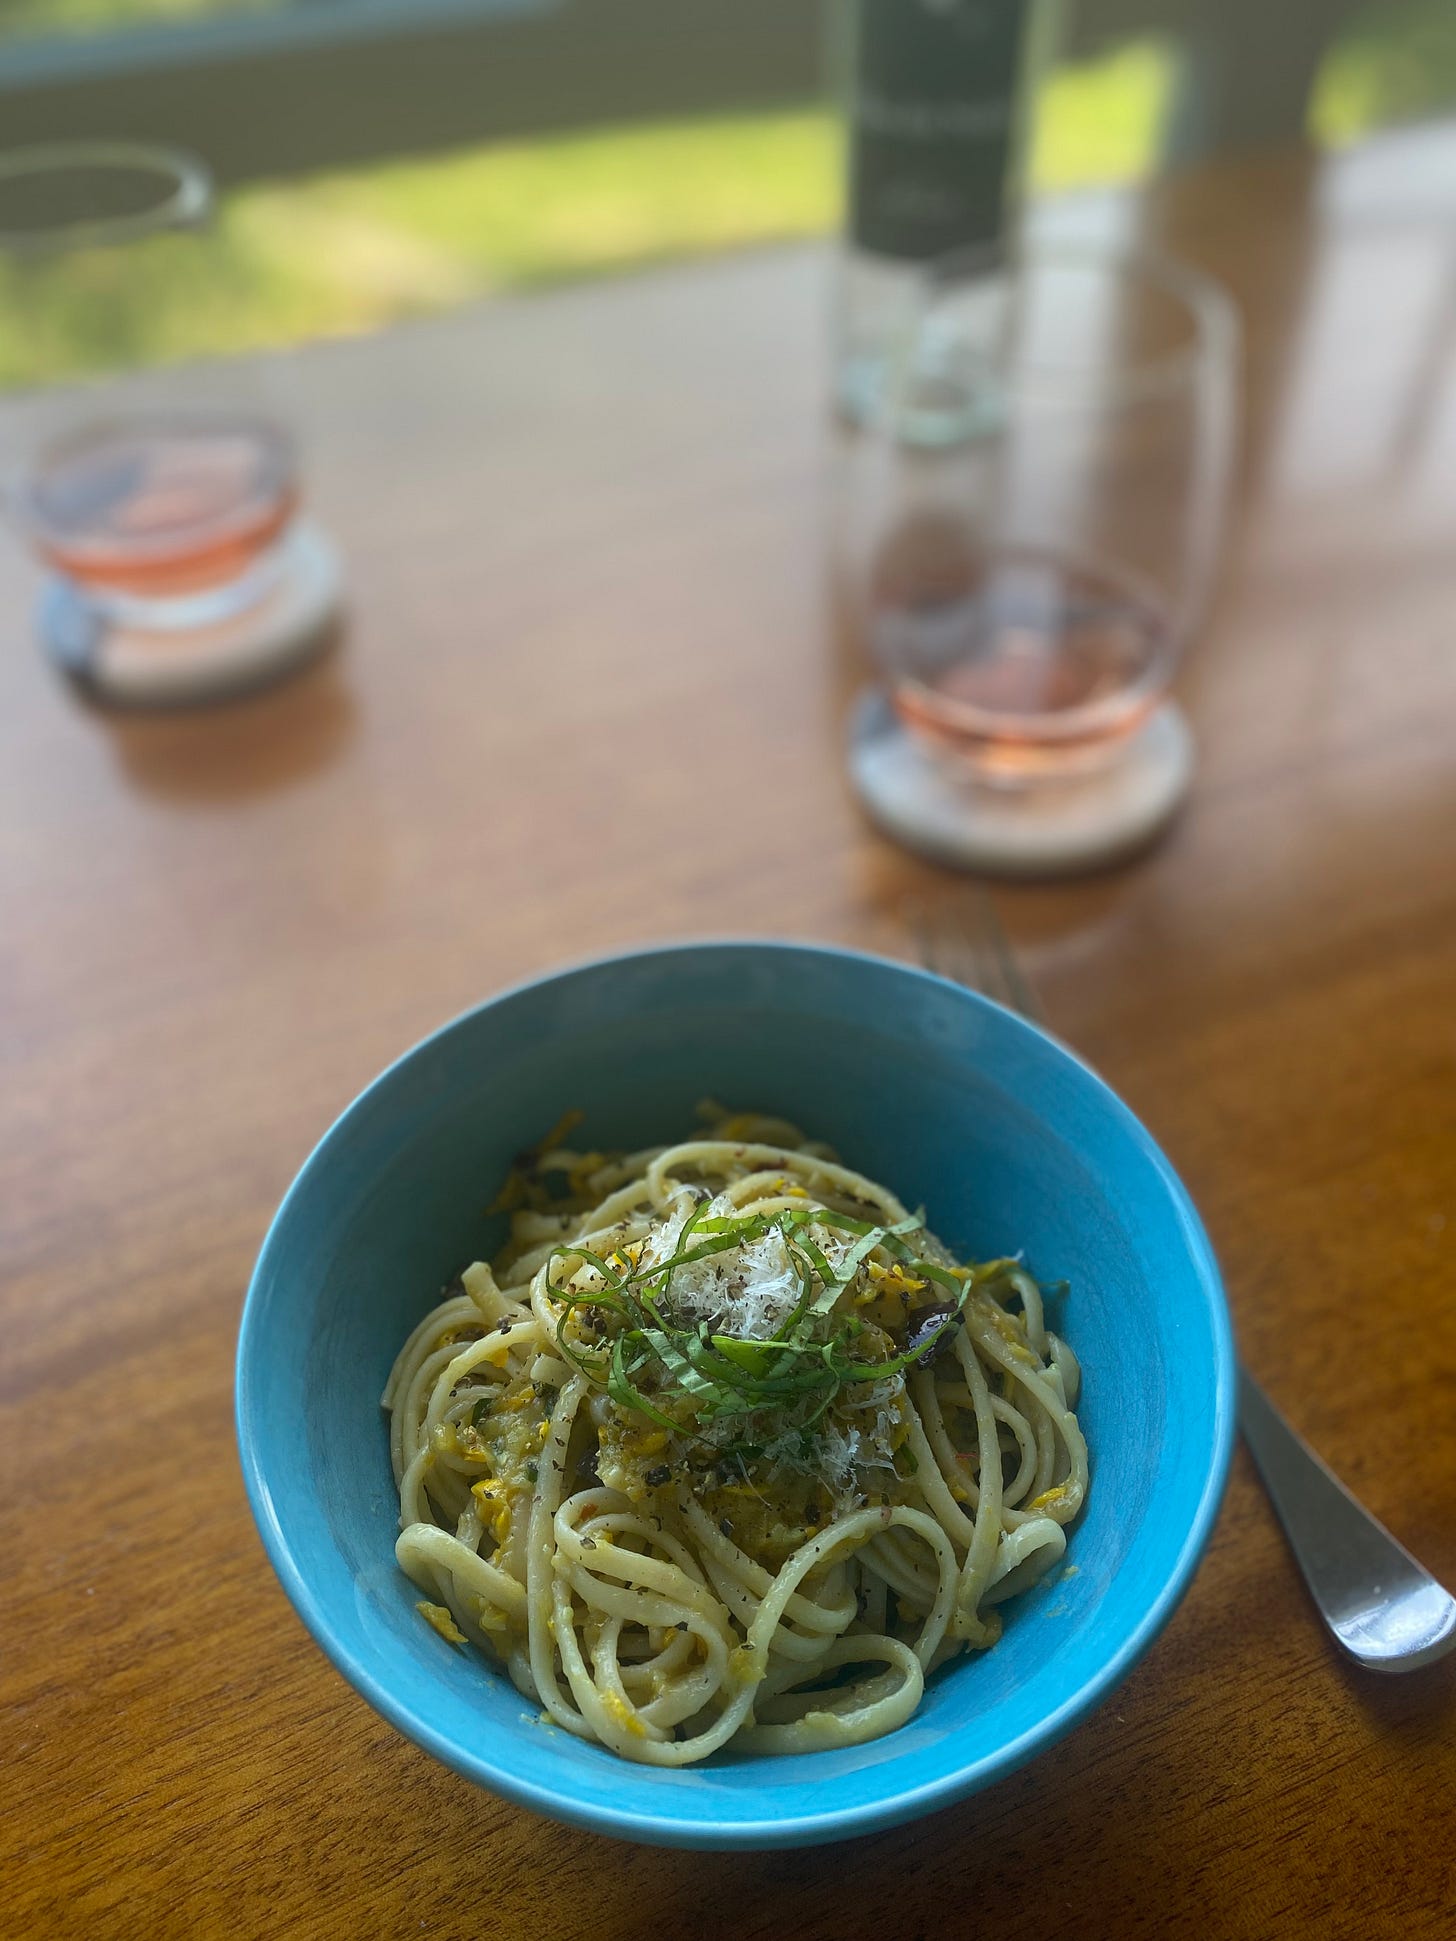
(725, 1446)
(797, 1412)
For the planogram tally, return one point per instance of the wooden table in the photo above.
(590, 523)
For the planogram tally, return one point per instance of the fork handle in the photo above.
(1383, 1606)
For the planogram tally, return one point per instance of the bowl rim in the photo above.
(652, 1825)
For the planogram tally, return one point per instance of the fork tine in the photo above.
(944, 948)
(977, 954)
(977, 967)
(990, 969)
(941, 949)
(926, 938)
(1019, 995)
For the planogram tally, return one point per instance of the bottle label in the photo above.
(934, 102)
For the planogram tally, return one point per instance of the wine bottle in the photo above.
(938, 116)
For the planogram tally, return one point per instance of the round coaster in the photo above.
(932, 806)
(121, 661)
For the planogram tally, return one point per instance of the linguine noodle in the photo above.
(725, 1446)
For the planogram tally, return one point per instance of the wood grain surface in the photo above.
(588, 696)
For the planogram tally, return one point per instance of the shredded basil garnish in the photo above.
(695, 1375)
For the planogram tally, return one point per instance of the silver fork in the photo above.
(1383, 1607)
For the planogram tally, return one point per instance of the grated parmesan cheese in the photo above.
(749, 1291)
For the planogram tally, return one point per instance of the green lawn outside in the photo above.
(342, 254)
(32, 18)
(348, 253)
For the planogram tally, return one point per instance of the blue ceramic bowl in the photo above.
(1005, 1138)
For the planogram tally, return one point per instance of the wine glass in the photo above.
(164, 505)
(1028, 579)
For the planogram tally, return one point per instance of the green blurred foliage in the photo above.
(351, 252)
(340, 254)
(37, 17)
(1394, 61)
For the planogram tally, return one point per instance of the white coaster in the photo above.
(932, 805)
(152, 667)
